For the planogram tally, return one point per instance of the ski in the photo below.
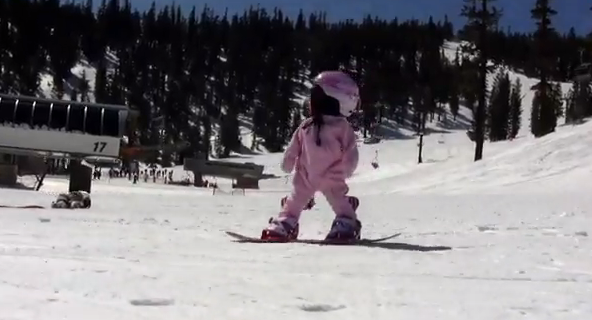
(247, 239)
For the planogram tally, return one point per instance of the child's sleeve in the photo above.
(292, 152)
(350, 151)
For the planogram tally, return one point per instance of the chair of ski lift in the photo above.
(583, 73)
(374, 162)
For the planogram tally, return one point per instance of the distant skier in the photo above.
(72, 200)
(324, 153)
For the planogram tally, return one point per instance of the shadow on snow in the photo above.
(380, 245)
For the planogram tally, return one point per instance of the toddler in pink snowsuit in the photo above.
(324, 154)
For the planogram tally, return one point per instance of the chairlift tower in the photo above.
(48, 128)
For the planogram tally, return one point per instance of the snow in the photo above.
(513, 256)
(46, 85)
(504, 238)
(517, 223)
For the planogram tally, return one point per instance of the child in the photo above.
(324, 153)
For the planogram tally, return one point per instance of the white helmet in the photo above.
(341, 87)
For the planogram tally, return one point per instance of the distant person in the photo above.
(324, 153)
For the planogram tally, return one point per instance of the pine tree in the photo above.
(481, 19)
(571, 112)
(101, 83)
(558, 100)
(454, 85)
(218, 146)
(515, 119)
(84, 87)
(544, 108)
(453, 100)
(579, 102)
(499, 107)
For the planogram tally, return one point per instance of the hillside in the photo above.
(503, 238)
(189, 74)
(500, 235)
(388, 129)
(525, 162)
(83, 71)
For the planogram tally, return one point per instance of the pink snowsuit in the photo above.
(321, 168)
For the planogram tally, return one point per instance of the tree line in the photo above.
(544, 54)
(190, 74)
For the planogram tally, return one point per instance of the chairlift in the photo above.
(583, 72)
(374, 162)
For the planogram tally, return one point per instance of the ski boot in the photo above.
(311, 203)
(345, 229)
(281, 229)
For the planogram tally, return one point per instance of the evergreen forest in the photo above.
(190, 74)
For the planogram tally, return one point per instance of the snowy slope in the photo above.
(450, 49)
(517, 224)
(151, 251)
